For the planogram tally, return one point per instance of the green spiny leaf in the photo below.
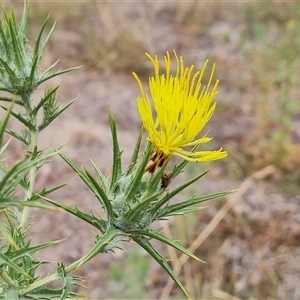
(10, 72)
(135, 154)
(45, 192)
(4, 260)
(17, 136)
(135, 184)
(98, 223)
(117, 165)
(171, 194)
(154, 234)
(79, 172)
(16, 41)
(3, 122)
(171, 209)
(56, 74)
(132, 214)
(54, 116)
(48, 95)
(36, 54)
(144, 243)
(7, 202)
(102, 196)
(102, 177)
(5, 233)
(18, 116)
(8, 99)
(155, 181)
(24, 19)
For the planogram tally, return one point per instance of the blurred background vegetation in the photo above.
(252, 250)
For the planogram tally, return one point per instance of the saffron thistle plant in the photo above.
(132, 198)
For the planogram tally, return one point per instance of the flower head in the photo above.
(182, 107)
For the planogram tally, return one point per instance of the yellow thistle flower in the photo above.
(183, 107)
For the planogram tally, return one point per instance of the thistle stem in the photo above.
(33, 137)
(99, 247)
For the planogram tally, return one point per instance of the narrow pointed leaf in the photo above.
(171, 194)
(135, 154)
(5, 233)
(14, 40)
(36, 55)
(155, 182)
(171, 209)
(102, 195)
(78, 171)
(185, 211)
(8, 99)
(117, 165)
(28, 251)
(45, 43)
(102, 245)
(7, 202)
(4, 121)
(161, 260)
(11, 173)
(133, 187)
(57, 74)
(20, 118)
(156, 235)
(136, 211)
(4, 40)
(98, 223)
(24, 19)
(103, 178)
(46, 123)
(45, 99)
(4, 260)
(9, 71)
(17, 136)
(49, 68)
(45, 192)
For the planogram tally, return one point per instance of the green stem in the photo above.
(31, 150)
(100, 247)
